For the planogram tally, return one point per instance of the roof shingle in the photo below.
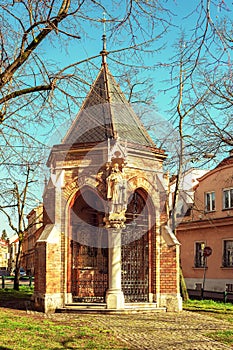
(106, 114)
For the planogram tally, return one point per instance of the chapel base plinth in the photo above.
(47, 303)
(172, 302)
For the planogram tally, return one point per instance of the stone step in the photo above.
(141, 305)
(87, 305)
(101, 308)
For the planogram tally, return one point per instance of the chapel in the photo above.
(106, 239)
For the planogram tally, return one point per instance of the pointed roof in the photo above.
(106, 114)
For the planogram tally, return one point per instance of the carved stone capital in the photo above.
(115, 220)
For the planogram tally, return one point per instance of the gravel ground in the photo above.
(184, 331)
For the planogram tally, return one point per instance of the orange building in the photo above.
(4, 247)
(210, 224)
(35, 218)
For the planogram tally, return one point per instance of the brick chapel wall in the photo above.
(53, 271)
(48, 275)
(168, 270)
(40, 273)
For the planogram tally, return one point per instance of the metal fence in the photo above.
(225, 297)
(8, 281)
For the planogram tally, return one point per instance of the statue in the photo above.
(116, 190)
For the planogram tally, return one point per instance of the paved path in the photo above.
(162, 331)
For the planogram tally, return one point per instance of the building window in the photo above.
(228, 198)
(229, 287)
(198, 286)
(210, 201)
(228, 253)
(199, 254)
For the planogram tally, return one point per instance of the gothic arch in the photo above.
(148, 191)
(136, 182)
(87, 258)
(138, 247)
(78, 184)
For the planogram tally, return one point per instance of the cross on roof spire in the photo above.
(104, 52)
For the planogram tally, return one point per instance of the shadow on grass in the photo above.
(18, 300)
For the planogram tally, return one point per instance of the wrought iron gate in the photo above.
(135, 252)
(89, 258)
(135, 270)
(89, 273)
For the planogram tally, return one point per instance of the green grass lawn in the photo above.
(19, 330)
(208, 306)
(25, 292)
(24, 332)
(217, 310)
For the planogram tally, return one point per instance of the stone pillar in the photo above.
(114, 295)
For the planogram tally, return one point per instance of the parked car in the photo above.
(22, 272)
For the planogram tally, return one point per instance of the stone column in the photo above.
(114, 295)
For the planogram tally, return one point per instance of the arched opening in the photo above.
(89, 249)
(88, 244)
(136, 251)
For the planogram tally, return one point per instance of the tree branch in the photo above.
(26, 91)
(6, 76)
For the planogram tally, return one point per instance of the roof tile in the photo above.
(106, 113)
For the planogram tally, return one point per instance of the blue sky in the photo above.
(90, 44)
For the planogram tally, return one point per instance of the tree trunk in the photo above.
(16, 278)
(183, 287)
(17, 267)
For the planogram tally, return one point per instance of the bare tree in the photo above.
(200, 91)
(210, 83)
(201, 102)
(16, 199)
(31, 83)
